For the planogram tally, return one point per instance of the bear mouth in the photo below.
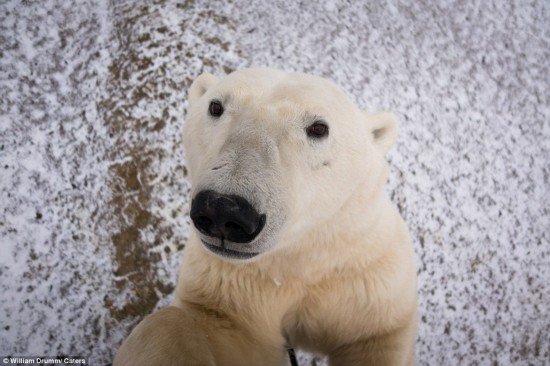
(228, 253)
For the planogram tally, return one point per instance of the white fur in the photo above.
(336, 273)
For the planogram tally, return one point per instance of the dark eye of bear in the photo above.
(215, 109)
(317, 130)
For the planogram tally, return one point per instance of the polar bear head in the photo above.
(274, 155)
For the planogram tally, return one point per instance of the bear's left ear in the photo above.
(200, 85)
(383, 126)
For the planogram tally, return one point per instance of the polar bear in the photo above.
(294, 243)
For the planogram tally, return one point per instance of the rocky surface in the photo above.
(93, 196)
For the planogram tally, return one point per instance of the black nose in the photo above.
(226, 217)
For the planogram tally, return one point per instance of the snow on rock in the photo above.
(94, 201)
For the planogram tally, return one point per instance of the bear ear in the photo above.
(383, 126)
(201, 84)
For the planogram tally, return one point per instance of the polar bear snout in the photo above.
(226, 217)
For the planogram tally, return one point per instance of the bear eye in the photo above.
(215, 108)
(317, 130)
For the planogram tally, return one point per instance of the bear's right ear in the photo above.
(201, 84)
(383, 126)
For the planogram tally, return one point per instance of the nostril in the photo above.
(203, 222)
(232, 227)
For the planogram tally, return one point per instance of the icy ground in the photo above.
(93, 196)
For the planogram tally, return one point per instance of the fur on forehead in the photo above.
(294, 95)
(307, 94)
